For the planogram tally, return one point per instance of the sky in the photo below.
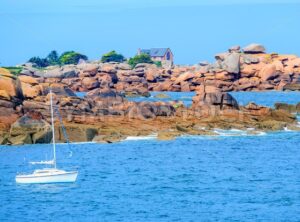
(195, 30)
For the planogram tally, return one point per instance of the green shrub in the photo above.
(13, 69)
(112, 57)
(53, 58)
(71, 57)
(40, 62)
(158, 63)
(142, 58)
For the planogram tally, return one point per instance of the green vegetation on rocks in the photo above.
(71, 57)
(53, 58)
(142, 58)
(13, 70)
(158, 63)
(39, 62)
(112, 56)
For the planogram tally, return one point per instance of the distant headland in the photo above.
(106, 115)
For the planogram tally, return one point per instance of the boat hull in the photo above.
(67, 177)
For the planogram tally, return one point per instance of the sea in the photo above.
(230, 177)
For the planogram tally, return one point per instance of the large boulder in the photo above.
(3, 139)
(29, 105)
(28, 79)
(150, 110)
(226, 76)
(10, 98)
(20, 139)
(58, 89)
(89, 68)
(30, 91)
(107, 79)
(221, 56)
(90, 83)
(59, 72)
(291, 87)
(210, 100)
(103, 93)
(28, 72)
(287, 107)
(43, 136)
(108, 68)
(30, 128)
(10, 84)
(254, 48)
(5, 72)
(231, 63)
(123, 66)
(256, 110)
(184, 77)
(137, 90)
(4, 95)
(249, 59)
(185, 86)
(78, 133)
(30, 123)
(151, 75)
(247, 84)
(142, 111)
(268, 72)
(8, 113)
(235, 48)
(165, 109)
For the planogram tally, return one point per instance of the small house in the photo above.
(163, 55)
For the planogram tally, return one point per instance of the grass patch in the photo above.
(13, 70)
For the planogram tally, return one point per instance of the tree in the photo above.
(112, 56)
(142, 58)
(158, 63)
(53, 58)
(40, 62)
(71, 57)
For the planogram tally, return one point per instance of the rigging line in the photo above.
(62, 125)
(64, 130)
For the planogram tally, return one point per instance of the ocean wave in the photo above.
(149, 137)
(230, 132)
(287, 129)
(260, 133)
(238, 132)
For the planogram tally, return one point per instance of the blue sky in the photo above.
(194, 30)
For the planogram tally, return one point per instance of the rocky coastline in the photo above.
(105, 114)
(247, 69)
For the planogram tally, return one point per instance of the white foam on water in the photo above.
(149, 137)
(287, 129)
(260, 133)
(238, 132)
(231, 132)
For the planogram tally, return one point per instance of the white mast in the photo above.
(53, 132)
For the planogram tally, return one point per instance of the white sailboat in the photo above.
(49, 175)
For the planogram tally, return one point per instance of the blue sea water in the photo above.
(266, 98)
(185, 97)
(231, 177)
